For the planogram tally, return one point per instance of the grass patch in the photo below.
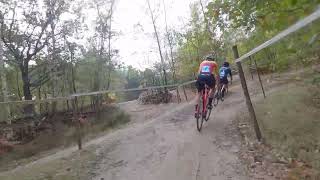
(290, 121)
(63, 136)
(75, 167)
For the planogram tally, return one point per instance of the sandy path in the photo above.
(169, 147)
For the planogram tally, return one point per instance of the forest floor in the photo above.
(161, 142)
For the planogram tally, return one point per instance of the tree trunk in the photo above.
(53, 59)
(18, 86)
(4, 85)
(109, 79)
(46, 107)
(207, 23)
(109, 44)
(29, 108)
(158, 42)
(40, 104)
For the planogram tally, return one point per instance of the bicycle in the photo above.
(217, 96)
(205, 113)
(224, 88)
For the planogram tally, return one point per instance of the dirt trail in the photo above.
(162, 143)
(169, 147)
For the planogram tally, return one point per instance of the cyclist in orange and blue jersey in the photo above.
(207, 75)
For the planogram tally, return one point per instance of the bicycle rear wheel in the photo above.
(216, 99)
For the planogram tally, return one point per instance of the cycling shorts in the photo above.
(224, 80)
(203, 80)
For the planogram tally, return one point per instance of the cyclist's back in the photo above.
(206, 76)
(207, 67)
(224, 72)
(206, 72)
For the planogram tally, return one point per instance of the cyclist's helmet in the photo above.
(226, 64)
(210, 58)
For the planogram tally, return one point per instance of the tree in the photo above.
(25, 34)
(153, 20)
(56, 9)
(4, 83)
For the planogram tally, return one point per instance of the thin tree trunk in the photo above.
(109, 79)
(29, 108)
(4, 85)
(18, 86)
(211, 34)
(46, 107)
(158, 42)
(173, 69)
(54, 81)
(109, 44)
(39, 98)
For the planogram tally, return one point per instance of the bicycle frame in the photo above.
(202, 108)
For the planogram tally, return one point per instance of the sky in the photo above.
(136, 42)
(131, 21)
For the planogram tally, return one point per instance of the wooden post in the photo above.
(247, 95)
(255, 63)
(185, 94)
(77, 122)
(250, 69)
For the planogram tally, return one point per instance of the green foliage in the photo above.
(249, 23)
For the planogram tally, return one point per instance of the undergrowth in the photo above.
(290, 120)
(63, 136)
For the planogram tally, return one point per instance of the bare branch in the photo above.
(12, 22)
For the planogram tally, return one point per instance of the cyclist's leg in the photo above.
(199, 85)
(211, 83)
(224, 83)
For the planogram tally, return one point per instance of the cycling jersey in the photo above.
(224, 72)
(208, 68)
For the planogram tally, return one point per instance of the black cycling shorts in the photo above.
(224, 81)
(203, 80)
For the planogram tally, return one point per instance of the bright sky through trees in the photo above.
(136, 42)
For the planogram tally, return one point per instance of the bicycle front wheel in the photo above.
(199, 116)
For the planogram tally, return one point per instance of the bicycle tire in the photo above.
(199, 123)
(208, 114)
(216, 99)
(199, 116)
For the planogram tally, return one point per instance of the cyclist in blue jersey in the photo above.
(224, 72)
